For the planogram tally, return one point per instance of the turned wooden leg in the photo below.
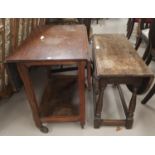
(98, 107)
(24, 74)
(81, 85)
(132, 106)
(89, 75)
(149, 95)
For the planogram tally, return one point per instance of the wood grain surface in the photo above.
(60, 42)
(115, 55)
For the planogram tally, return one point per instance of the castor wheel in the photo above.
(44, 129)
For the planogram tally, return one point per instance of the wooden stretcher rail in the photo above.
(113, 122)
(60, 119)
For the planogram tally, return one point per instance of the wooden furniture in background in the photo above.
(70, 21)
(116, 62)
(142, 32)
(47, 46)
(150, 50)
(131, 22)
(148, 55)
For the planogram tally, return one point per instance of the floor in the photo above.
(16, 118)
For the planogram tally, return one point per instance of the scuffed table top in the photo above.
(59, 42)
(115, 56)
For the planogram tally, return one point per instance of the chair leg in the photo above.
(149, 95)
(138, 42)
(130, 29)
(146, 53)
(128, 23)
(148, 60)
(98, 107)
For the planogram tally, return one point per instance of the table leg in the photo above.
(132, 106)
(81, 87)
(24, 74)
(98, 107)
(89, 75)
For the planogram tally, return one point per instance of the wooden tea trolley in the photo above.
(116, 62)
(47, 46)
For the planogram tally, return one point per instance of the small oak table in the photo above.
(116, 62)
(53, 45)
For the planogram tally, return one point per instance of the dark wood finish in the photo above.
(81, 85)
(68, 42)
(113, 122)
(151, 44)
(53, 45)
(147, 50)
(139, 33)
(149, 54)
(149, 95)
(24, 74)
(116, 62)
(60, 119)
(142, 22)
(53, 104)
(131, 110)
(56, 109)
(98, 107)
(143, 26)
